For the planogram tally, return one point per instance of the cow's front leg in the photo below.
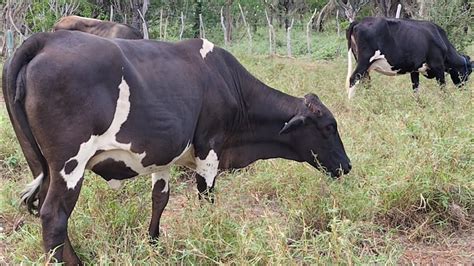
(160, 197)
(441, 79)
(206, 170)
(204, 190)
(415, 81)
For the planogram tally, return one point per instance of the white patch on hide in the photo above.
(84, 18)
(161, 175)
(207, 47)
(115, 183)
(106, 141)
(381, 65)
(133, 161)
(423, 69)
(377, 55)
(208, 167)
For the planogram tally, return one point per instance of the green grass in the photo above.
(413, 161)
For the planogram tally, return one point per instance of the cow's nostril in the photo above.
(349, 166)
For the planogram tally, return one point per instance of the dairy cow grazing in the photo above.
(400, 46)
(98, 27)
(124, 108)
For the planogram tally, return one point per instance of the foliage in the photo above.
(42, 15)
(455, 17)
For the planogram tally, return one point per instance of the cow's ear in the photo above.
(294, 122)
(312, 102)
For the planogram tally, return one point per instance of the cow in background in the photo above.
(97, 27)
(400, 46)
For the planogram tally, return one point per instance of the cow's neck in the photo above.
(453, 58)
(257, 136)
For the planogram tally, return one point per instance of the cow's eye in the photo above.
(330, 128)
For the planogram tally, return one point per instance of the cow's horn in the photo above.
(294, 122)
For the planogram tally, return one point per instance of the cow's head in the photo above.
(315, 139)
(460, 72)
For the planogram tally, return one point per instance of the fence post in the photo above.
(10, 43)
(182, 26)
(308, 31)
(223, 27)
(399, 10)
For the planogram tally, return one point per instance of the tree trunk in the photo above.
(271, 34)
(249, 34)
(197, 24)
(228, 20)
(181, 31)
(328, 8)
(136, 6)
(308, 31)
(288, 38)
(224, 28)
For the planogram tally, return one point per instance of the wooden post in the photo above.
(165, 32)
(223, 27)
(145, 28)
(288, 38)
(142, 15)
(182, 27)
(271, 31)
(308, 31)
(399, 10)
(161, 23)
(246, 26)
(202, 32)
(337, 23)
(10, 43)
(111, 13)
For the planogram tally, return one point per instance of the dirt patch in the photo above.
(457, 249)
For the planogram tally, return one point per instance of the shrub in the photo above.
(454, 17)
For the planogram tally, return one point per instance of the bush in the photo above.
(454, 17)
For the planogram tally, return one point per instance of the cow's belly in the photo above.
(382, 66)
(123, 164)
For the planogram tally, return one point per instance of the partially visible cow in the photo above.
(124, 108)
(400, 46)
(97, 27)
(93, 26)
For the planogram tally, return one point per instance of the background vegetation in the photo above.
(409, 198)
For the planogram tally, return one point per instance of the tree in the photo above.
(351, 7)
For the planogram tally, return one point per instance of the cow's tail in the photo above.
(14, 86)
(349, 52)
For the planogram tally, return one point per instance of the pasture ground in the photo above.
(409, 198)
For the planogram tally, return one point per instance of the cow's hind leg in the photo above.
(360, 72)
(54, 214)
(160, 197)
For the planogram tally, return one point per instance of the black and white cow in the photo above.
(123, 108)
(98, 27)
(400, 46)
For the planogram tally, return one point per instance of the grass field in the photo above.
(411, 188)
